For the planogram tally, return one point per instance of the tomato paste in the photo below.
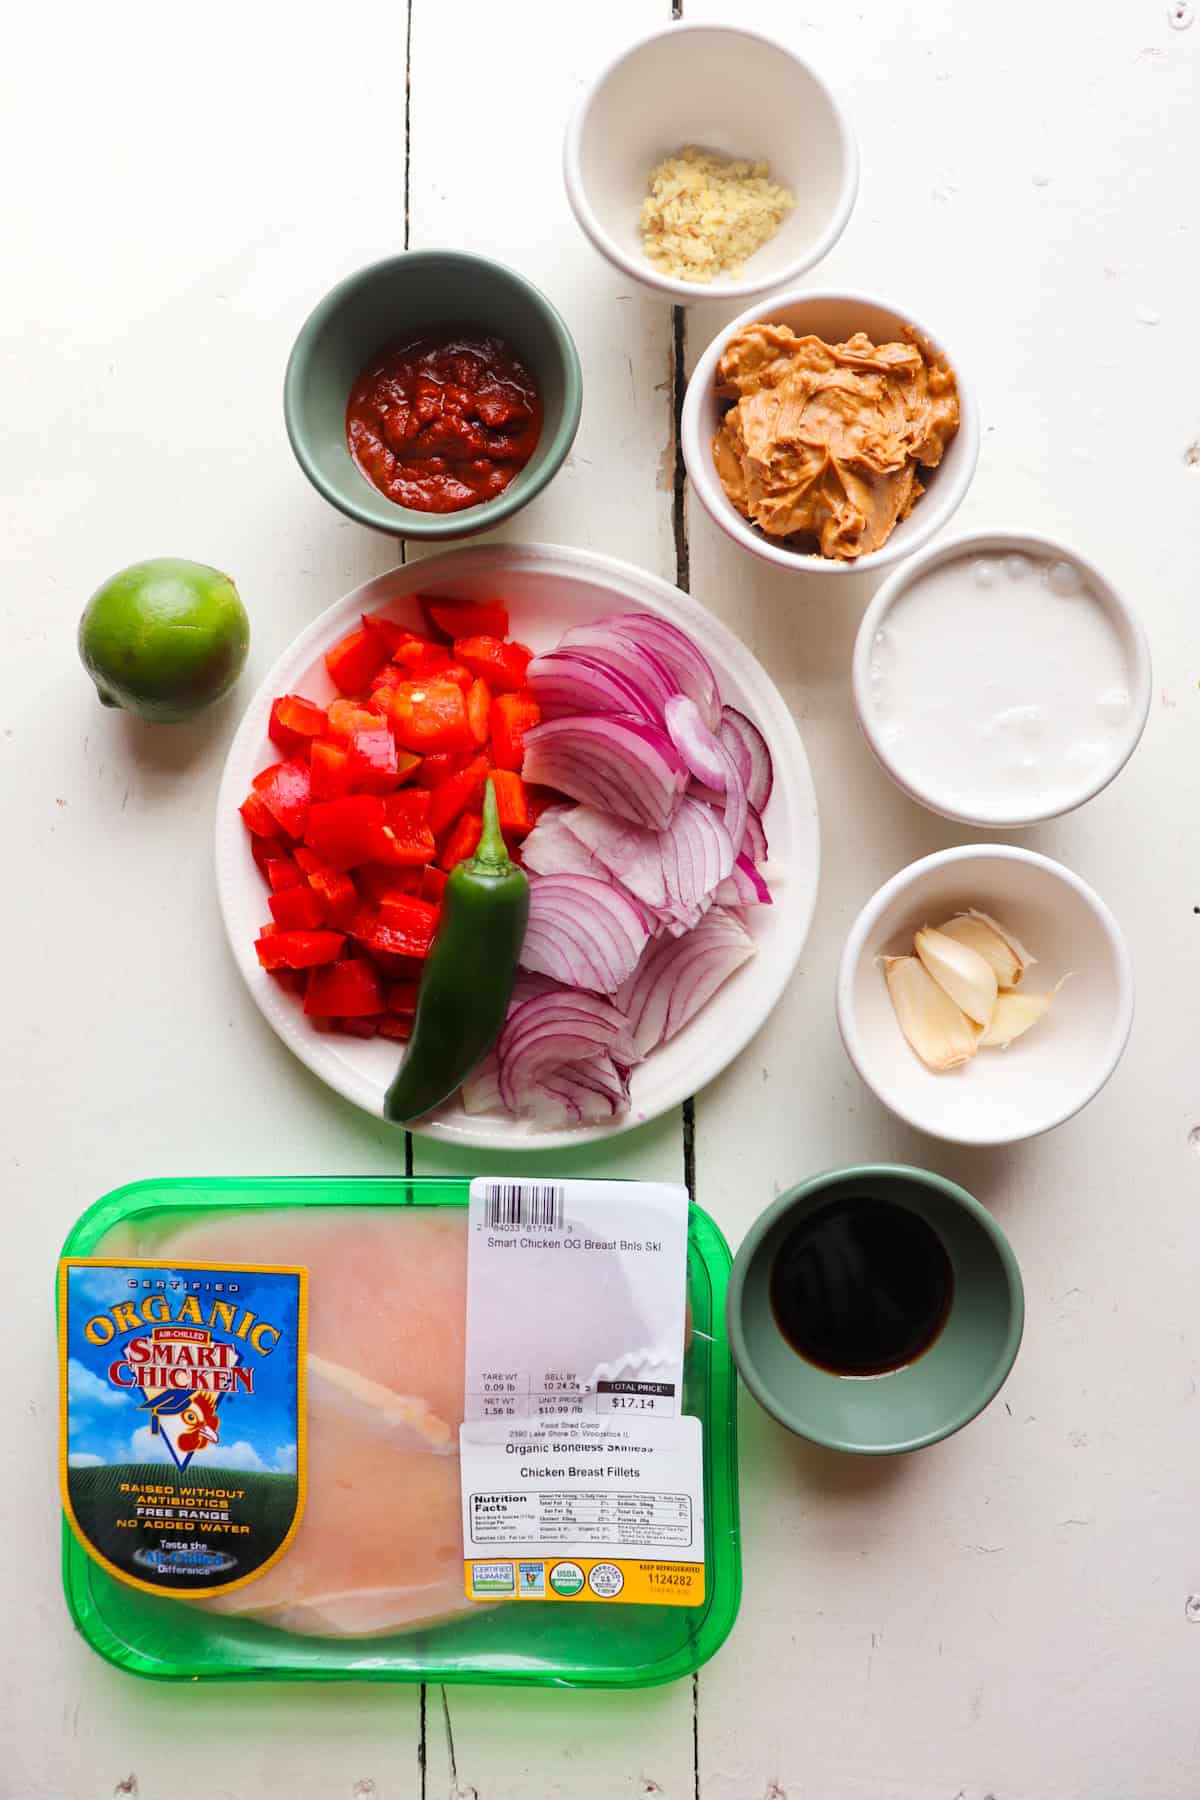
(442, 420)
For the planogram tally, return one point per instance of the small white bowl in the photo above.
(737, 92)
(834, 317)
(952, 798)
(1048, 1075)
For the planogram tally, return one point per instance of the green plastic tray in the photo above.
(530, 1645)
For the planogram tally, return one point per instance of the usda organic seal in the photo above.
(566, 1578)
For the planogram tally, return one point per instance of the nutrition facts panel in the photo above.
(592, 1516)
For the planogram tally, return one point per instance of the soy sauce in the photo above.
(861, 1286)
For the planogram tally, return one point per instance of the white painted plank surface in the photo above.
(1003, 1615)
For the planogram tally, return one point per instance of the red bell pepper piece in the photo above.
(329, 765)
(435, 769)
(348, 716)
(391, 675)
(353, 661)
(457, 793)
(433, 883)
(376, 883)
(266, 850)
(466, 618)
(297, 908)
(511, 802)
(358, 1028)
(391, 631)
(396, 1025)
(501, 665)
(407, 829)
(349, 831)
(400, 926)
(294, 720)
(344, 990)
(284, 790)
(373, 766)
(402, 996)
(512, 716)
(429, 715)
(417, 656)
(283, 872)
(258, 817)
(337, 893)
(479, 710)
(463, 840)
(298, 949)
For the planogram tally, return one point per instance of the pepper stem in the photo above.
(491, 847)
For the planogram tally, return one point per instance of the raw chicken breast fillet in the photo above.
(379, 1548)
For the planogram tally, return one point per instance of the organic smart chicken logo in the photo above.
(194, 1418)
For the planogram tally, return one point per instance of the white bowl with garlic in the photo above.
(985, 994)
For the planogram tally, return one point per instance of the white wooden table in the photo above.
(1005, 1615)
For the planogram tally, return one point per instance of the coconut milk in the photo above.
(998, 686)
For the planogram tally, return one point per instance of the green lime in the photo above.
(164, 638)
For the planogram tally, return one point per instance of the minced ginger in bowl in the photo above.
(706, 214)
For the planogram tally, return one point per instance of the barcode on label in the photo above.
(524, 1203)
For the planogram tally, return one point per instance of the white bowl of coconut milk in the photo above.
(1000, 679)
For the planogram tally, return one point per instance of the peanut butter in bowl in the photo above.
(823, 445)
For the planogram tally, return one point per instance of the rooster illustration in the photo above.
(197, 1413)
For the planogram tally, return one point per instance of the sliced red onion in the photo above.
(553, 849)
(568, 682)
(677, 976)
(583, 932)
(481, 1089)
(552, 1030)
(670, 871)
(635, 661)
(582, 1093)
(621, 765)
(745, 886)
(689, 666)
(754, 843)
(749, 747)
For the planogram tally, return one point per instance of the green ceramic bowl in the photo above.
(928, 1399)
(424, 287)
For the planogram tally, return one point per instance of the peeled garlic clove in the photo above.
(967, 977)
(994, 942)
(940, 1032)
(1013, 1016)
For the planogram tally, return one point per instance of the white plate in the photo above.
(547, 589)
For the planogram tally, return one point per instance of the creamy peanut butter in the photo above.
(823, 443)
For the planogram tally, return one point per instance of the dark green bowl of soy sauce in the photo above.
(875, 1309)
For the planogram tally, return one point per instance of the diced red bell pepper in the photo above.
(396, 1025)
(283, 872)
(294, 720)
(407, 829)
(419, 657)
(284, 790)
(375, 883)
(437, 768)
(479, 710)
(349, 831)
(308, 860)
(429, 715)
(297, 908)
(329, 766)
(401, 926)
(348, 716)
(344, 990)
(373, 765)
(358, 1028)
(463, 840)
(391, 675)
(402, 996)
(391, 631)
(266, 850)
(512, 716)
(292, 981)
(298, 949)
(258, 817)
(501, 665)
(337, 892)
(457, 793)
(353, 661)
(511, 803)
(433, 883)
(466, 618)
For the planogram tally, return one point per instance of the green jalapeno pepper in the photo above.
(468, 975)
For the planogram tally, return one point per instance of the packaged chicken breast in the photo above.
(399, 1430)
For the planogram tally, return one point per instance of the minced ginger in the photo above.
(705, 214)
